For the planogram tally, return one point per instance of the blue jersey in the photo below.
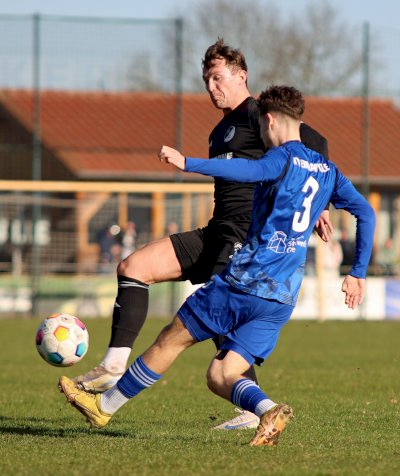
(294, 185)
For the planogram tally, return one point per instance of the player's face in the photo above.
(224, 85)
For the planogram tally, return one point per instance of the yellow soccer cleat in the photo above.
(272, 423)
(85, 402)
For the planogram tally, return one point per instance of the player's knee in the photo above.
(215, 380)
(131, 267)
(212, 384)
(123, 266)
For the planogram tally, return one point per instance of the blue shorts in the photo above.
(250, 324)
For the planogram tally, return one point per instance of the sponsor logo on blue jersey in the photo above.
(322, 167)
(278, 243)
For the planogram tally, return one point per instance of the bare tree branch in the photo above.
(316, 52)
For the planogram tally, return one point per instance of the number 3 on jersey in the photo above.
(301, 220)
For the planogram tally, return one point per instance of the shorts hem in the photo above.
(197, 329)
(228, 344)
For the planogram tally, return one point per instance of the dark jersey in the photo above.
(241, 134)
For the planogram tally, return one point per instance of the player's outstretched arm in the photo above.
(172, 156)
(354, 291)
(237, 169)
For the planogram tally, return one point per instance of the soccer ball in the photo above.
(62, 340)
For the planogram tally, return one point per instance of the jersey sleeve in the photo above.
(313, 140)
(348, 198)
(269, 167)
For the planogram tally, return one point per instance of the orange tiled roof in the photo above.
(117, 135)
(341, 121)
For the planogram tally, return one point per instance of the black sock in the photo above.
(130, 311)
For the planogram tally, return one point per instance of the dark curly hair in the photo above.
(219, 50)
(282, 99)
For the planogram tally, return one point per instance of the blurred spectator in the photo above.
(332, 256)
(310, 266)
(386, 258)
(110, 248)
(128, 240)
(172, 228)
(348, 249)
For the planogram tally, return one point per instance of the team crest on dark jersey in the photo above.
(236, 247)
(229, 134)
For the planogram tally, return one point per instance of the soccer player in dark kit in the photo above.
(198, 254)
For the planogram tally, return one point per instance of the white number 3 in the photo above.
(301, 220)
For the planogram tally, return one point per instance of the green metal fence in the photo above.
(45, 53)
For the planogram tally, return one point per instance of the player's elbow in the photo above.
(373, 217)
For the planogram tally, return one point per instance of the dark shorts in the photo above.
(206, 251)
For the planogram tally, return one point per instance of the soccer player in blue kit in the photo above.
(196, 255)
(255, 295)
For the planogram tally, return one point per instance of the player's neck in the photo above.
(288, 132)
(238, 100)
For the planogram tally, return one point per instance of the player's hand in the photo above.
(354, 291)
(172, 156)
(323, 226)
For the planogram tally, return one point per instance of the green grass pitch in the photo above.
(342, 379)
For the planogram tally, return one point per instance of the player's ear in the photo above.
(243, 75)
(270, 120)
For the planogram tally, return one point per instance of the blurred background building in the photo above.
(86, 103)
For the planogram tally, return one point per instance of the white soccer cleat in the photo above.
(97, 380)
(244, 421)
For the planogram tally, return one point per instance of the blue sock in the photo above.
(137, 377)
(247, 394)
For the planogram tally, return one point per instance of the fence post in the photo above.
(365, 186)
(36, 164)
(178, 81)
(365, 112)
(178, 87)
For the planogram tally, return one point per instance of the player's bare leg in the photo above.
(155, 262)
(250, 372)
(227, 378)
(244, 419)
(145, 371)
(170, 343)
(221, 376)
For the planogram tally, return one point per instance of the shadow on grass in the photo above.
(45, 427)
(64, 428)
